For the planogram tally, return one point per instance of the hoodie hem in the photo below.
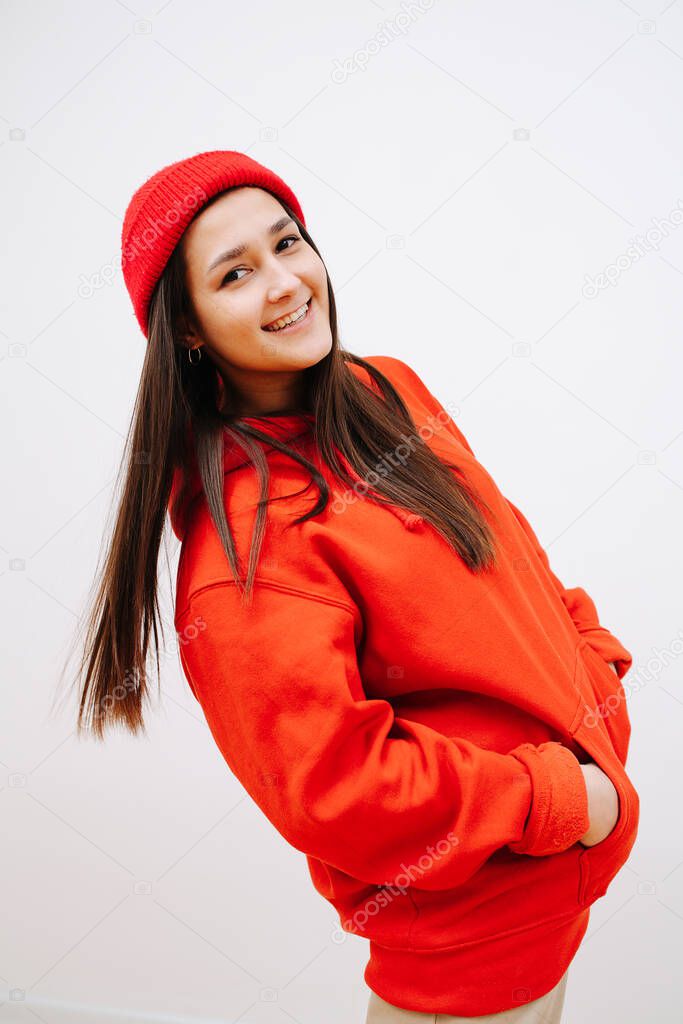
(474, 979)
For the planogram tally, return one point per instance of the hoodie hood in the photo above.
(284, 427)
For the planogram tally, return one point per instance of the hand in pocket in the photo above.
(603, 804)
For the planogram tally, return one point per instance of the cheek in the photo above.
(318, 275)
(236, 314)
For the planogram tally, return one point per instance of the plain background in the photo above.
(469, 171)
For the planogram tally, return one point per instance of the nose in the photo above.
(282, 282)
(278, 293)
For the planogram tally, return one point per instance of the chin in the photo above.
(299, 353)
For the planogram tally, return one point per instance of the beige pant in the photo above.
(546, 1010)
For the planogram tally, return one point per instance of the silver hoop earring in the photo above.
(191, 361)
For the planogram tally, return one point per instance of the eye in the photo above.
(290, 238)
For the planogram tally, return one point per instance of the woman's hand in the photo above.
(603, 804)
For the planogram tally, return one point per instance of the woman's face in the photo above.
(235, 297)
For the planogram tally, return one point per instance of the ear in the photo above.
(187, 335)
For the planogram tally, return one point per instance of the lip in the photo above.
(292, 327)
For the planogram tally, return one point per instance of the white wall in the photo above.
(463, 188)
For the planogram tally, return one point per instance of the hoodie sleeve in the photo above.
(582, 609)
(342, 777)
(576, 600)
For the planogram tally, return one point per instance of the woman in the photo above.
(398, 680)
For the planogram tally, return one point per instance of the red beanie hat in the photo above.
(164, 205)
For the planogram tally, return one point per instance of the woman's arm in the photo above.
(341, 776)
(582, 610)
(576, 600)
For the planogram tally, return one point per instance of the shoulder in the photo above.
(418, 396)
(404, 378)
(414, 391)
(390, 366)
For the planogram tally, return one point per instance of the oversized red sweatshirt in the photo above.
(415, 729)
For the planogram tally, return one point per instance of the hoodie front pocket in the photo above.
(599, 864)
(510, 893)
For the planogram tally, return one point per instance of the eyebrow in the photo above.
(239, 250)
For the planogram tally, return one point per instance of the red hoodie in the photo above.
(414, 728)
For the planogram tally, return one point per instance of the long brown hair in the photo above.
(175, 400)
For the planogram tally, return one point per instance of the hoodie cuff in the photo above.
(558, 816)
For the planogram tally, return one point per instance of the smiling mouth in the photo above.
(303, 312)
